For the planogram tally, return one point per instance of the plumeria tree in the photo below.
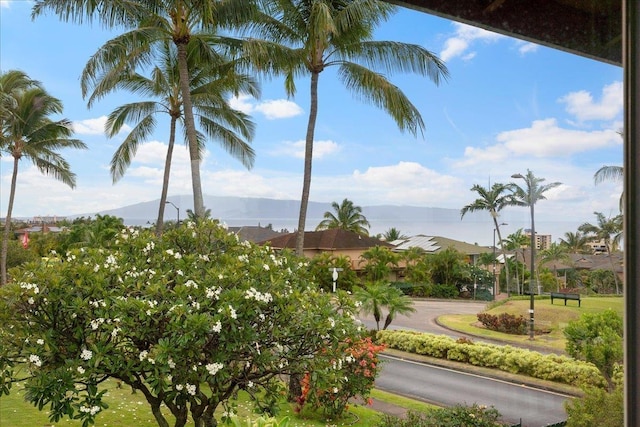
(186, 319)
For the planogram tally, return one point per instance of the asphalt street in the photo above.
(443, 386)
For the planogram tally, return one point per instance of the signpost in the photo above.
(334, 276)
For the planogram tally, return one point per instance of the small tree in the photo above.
(373, 297)
(187, 319)
(597, 338)
(378, 262)
(321, 267)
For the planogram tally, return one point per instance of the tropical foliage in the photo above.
(212, 83)
(378, 262)
(29, 132)
(304, 38)
(533, 192)
(345, 216)
(186, 319)
(608, 230)
(493, 201)
(374, 297)
(597, 338)
(149, 24)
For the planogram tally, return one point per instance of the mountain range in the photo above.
(283, 215)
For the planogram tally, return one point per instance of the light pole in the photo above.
(177, 210)
(533, 252)
(496, 282)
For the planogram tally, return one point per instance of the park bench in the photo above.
(565, 297)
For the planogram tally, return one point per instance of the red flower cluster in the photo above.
(350, 374)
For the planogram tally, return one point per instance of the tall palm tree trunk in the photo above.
(308, 157)
(613, 269)
(194, 152)
(504, 256)
(165, 178)
(7, 224)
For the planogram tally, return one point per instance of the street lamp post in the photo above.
(177, 210)
(533, 254)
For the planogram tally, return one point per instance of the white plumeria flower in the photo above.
(35, 359)
(86, 354)
(214, 368)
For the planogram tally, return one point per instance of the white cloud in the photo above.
(272, 109)
(321, 149)
(408, 183)
(582, 105)
(527, 47)
(241, 103)
(94, 126)
(278, 109)
(465, 36)
(543, 139)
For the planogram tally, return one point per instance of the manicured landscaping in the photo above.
(550, 319)
(127, 409)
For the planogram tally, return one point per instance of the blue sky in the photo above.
(508, 106)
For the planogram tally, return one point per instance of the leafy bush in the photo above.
(352, 374)
(504, 322)
(588, 410)
(443, 291)
(597, 338)
(549, 367)
(456, 416)
(187, 318)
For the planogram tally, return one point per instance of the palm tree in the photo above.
(576, 242)
(345, 216)
(11, 82)
(29, 132)
(516, 241)
(532, 193)
(397, 303)
(554, 254)
(393, 234)
(379, 261)
(307, 36)
(378, 295)
(610, 231)
(211, 86)
(151, 22)
(492, 200)
(609, 173)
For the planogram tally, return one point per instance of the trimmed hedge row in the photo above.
(551, 367)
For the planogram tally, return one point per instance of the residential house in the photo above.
(336, 241)
(254, 233)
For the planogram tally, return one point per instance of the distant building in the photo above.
(543, 241)
(598, 246)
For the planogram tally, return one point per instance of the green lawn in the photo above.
(550, 320)
(127, 409)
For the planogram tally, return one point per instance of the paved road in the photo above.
(447, 387)
(515, 402)
(427, 311)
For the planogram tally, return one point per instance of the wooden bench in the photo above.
(565, 297)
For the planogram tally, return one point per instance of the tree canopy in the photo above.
(186, 319)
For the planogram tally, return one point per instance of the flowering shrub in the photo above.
(188, 319)
(352, 374)
(504, 322)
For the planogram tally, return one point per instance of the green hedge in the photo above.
(551, 367)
